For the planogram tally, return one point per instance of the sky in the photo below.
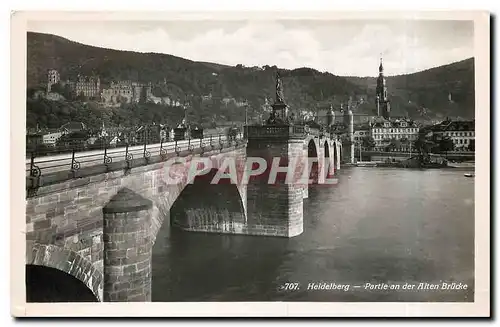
(341, 47)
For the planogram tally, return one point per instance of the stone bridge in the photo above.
(99, 225)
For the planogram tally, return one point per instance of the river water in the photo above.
(375, 226)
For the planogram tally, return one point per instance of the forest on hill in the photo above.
(422, 95)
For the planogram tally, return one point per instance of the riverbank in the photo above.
(468, 167)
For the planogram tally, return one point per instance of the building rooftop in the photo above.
(450, 125)
(397, 122)
(74, 126)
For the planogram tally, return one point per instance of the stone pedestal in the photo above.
(281, 111)
(127, 248)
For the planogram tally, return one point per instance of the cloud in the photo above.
(340, 47)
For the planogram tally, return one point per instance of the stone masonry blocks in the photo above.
(127, 248)
(277, 207)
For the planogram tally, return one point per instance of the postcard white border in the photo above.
(481, 306)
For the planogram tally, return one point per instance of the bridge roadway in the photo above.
(63, 162)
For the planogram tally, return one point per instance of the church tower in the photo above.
(382, 101)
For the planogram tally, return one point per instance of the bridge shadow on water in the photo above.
(191, 266)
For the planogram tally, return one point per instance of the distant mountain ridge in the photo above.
(422, 95)
(445, 90)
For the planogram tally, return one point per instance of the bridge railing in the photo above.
(75, 160)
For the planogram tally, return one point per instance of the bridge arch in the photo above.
(329, 168)
(313, 153)
(205, 205)
(327, 150)
(63, 266)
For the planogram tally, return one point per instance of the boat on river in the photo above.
(469, 175)
(462, 165)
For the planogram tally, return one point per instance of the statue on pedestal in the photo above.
(280, 98)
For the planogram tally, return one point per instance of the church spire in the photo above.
(382, 101)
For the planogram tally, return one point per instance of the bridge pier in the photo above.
(275, 207)
(127, 248)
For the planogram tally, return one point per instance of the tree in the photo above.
(446, 144)
(472, 145)
(394, 144)
(143, 95)
(368, 142)
(57, 88)
(81, 97)
(100, 143)
(68, 93)
(74, 140)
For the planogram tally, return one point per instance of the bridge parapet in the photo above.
(284, 131)
(48, 171)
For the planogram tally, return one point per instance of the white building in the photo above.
(361, 131)
(461, 132)
(403, 130)
(51, 138)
